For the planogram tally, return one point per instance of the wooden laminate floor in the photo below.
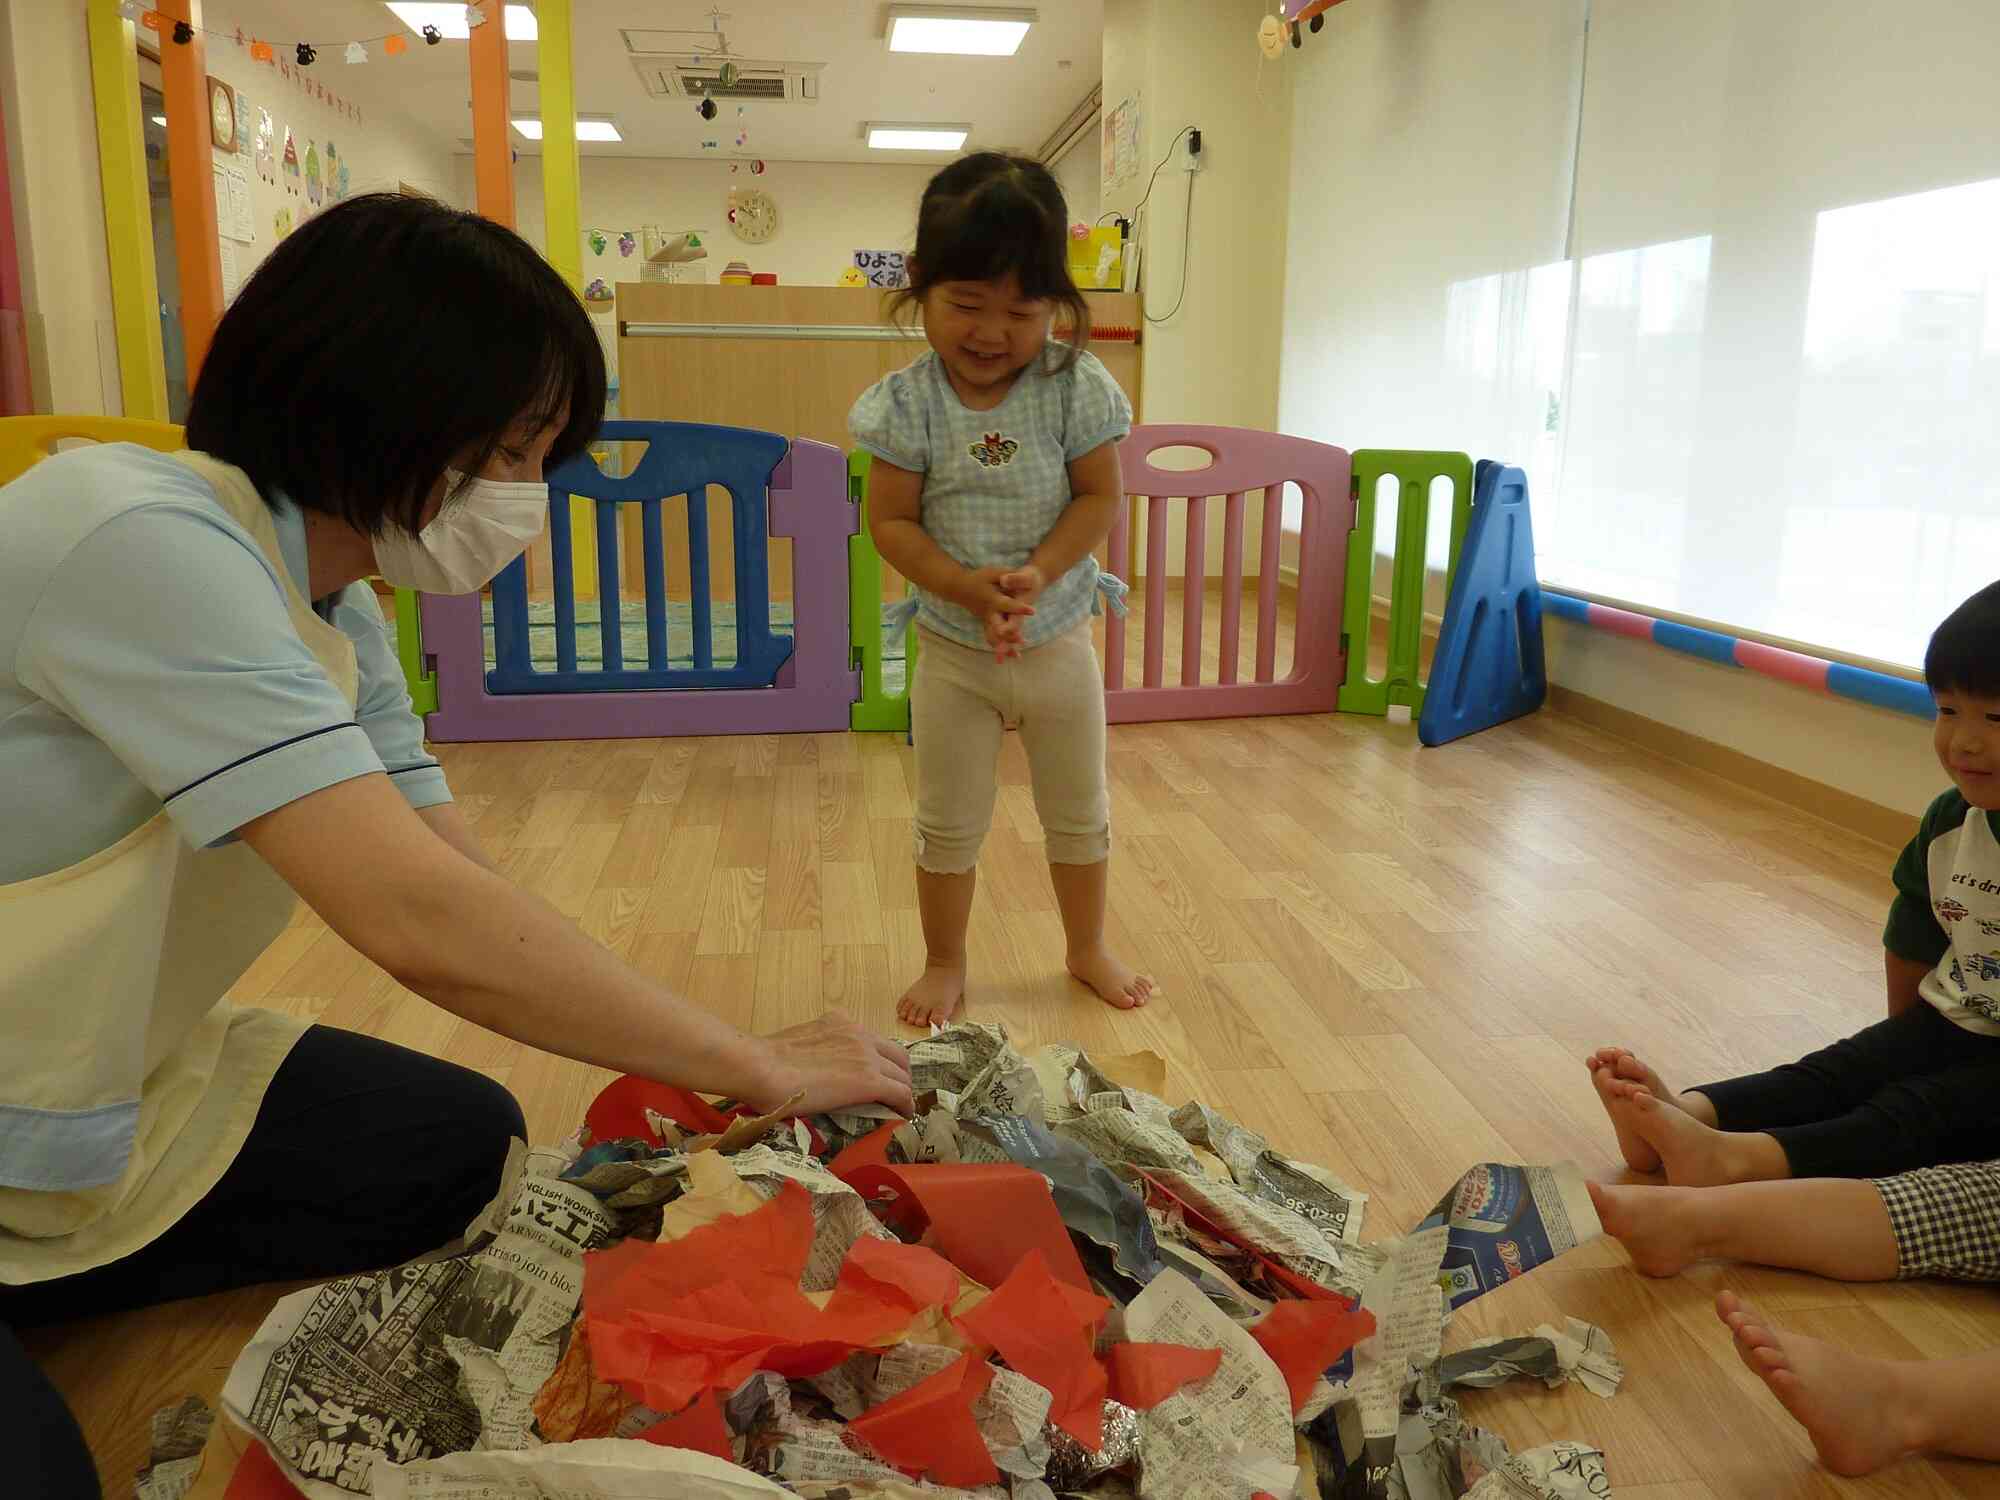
(1390, 960)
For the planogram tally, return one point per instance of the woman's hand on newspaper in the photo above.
(835, 1063)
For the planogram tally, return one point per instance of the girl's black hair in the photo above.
(990, 214)
(1964, 654)
(384, 341)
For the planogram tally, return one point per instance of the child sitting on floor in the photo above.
(1916, 1089)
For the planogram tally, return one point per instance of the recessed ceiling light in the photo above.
(971, 31)
(450, 20)
(586, 130)
(917, 137)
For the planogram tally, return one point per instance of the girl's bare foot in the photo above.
(935, 998)
(1656, 1225)
(1855, 1410)
(1117, 984)
(1638, 1154)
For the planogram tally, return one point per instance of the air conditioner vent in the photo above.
(677, 72)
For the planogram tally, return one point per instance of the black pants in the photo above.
(363, 1156)
(1913, 1091)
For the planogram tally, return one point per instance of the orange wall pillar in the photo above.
(191, 169)
(492, 147)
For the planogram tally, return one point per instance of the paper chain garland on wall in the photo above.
(296, 56)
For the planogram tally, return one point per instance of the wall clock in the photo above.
(222, 115)
(755, 218)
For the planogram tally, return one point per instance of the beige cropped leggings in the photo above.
(962, 700)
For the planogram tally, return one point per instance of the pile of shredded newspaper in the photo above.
(1049, 1282)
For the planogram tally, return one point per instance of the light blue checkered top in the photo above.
(995, 482)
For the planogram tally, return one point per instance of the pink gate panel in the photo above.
(1243, 463)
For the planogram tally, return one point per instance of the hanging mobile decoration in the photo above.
(475, 15)
(432, 36)
(706, 109)
(306, 54)
(357, 53)
(597, 242)
(626, 244)
(183, 33)
(727, 74)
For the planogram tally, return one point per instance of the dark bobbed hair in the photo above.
(1964, 654)
(383, 341)
(990, 214)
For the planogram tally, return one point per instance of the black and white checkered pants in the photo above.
(1946, 1220)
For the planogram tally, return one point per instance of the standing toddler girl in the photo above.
(995, 476)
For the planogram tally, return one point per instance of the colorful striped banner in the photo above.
(1900, 694)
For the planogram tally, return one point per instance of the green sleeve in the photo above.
(1913, 930)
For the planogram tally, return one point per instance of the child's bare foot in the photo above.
(1624, 1065)
(1696, 1155)
(1855, 1410)
(935, 998)
(1638, 1153)
(1117, 984)
(1654, 1224)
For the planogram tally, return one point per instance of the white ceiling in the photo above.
(1013, 102)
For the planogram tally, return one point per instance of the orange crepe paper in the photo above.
(619, 1111)
(258, 1477)
(1304, 1338)
(1047, 1331)
(929, 1428)
(872, 1150)
(708, 1310)
(701, 1427)
(983, 1219)
(1144, 1375)
(893, 1274)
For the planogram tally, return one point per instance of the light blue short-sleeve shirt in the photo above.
(996, 482)
(150, 663)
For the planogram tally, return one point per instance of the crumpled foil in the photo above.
(1072, 1466)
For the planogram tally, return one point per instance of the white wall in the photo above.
(1195, 62)
(1215, 361)
(826, 210)
(382, 150)
(1076, 173)
(1872, 753)
(58, 209)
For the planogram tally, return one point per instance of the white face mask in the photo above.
(481, 529)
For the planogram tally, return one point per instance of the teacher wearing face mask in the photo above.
(202, 722)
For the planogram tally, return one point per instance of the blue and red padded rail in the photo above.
(1900, 694)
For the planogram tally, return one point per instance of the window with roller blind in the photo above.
(1728, 288)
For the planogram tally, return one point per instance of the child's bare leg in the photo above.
(1608, 1066)
(1080, 896)
(944, 902)
(1693, 1154)
(1830, 1226)
(1863, 1414)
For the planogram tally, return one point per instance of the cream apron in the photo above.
(110, 1008)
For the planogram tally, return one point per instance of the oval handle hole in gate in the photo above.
(1181, 458)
